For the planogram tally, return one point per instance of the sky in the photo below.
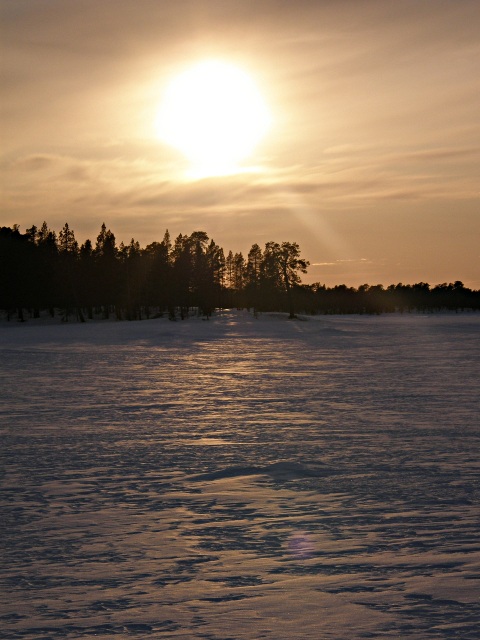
(371, 162)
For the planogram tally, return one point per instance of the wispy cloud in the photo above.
(375, 123)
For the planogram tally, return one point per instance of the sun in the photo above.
(214, 114)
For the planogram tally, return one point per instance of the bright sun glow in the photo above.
(214, 114)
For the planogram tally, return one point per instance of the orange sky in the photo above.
(372, 163)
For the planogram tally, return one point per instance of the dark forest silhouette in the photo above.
(40, 271)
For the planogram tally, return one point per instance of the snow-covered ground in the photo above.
(241, 478)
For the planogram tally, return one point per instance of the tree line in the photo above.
(41, 270)
(377, 299)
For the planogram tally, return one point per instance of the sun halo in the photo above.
(214, 115)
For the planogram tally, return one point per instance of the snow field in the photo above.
(241, 478)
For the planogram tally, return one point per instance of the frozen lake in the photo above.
(241, 478)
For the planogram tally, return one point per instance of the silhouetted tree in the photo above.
(239, 279)
(229, 271)
(16, 257)
(68, 273)
(159, 292)
(48, 253)
(290, 265)
(215, 259)
(108, 281)
(87, 285)
(133, 279)
(252, 277)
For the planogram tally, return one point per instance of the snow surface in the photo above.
(241, 478)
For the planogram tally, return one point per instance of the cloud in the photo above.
(37, 162)
(442, 153)
(141, 186)
(341, 261)
(375, 108)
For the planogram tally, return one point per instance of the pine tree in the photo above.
(252, 276)
(157, 265)
(66, 241)
(68, 273)
(281, 267)
(229, 271)
(108, 281)
(48, 254)
(87, 278)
